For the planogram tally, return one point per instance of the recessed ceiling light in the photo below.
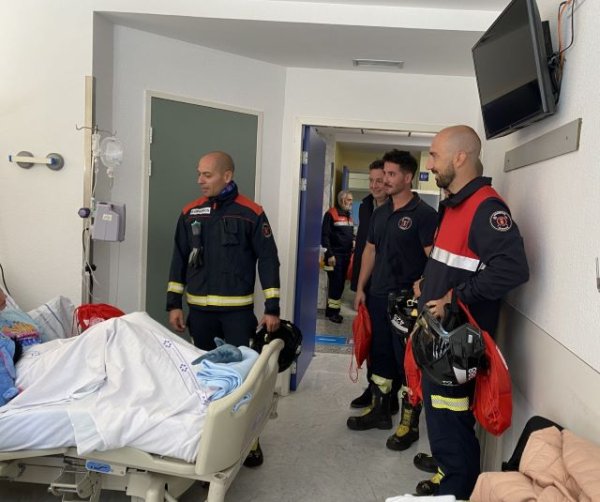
(378, 62)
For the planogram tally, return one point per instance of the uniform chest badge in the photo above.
(197, 211)
(405, 223)
(501, 221)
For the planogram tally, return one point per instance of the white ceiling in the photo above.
(493, 5)
(424, 46)
(428, 41)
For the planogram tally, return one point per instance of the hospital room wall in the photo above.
(45, 56)
(553, 321)
(143, 61)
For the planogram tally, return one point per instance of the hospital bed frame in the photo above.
(232, 425)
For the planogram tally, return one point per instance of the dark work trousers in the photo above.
(387, 351)
(336, 279)
(234, 326)
(450, 427)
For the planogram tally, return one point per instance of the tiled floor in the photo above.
(336, 338)
(310, 454)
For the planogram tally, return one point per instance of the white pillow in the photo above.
(10, 302)
(54, 318)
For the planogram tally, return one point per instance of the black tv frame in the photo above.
(548, 93)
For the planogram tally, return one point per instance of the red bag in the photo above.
(413, 375)
(362, 333)
(89, 314)
(492, 404)
(350, 266)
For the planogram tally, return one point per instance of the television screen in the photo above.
(512, 72)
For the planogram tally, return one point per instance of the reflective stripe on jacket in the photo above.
(218, 243)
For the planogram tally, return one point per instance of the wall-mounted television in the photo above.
(512, 69)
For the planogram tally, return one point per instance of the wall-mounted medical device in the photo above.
(26, 160)
(109, 222)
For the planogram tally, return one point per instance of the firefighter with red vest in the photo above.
(478, 256)
(337, 237)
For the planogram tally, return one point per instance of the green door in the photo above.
(181, 134)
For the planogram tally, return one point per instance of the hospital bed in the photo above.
(231, 425)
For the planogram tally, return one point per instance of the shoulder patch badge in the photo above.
(405, 223)
(266, 230)
(501, 221)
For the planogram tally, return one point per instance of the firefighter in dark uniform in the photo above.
(371, 202)
(219, 239)
(478, 256)
(337, 237)
(400, 236)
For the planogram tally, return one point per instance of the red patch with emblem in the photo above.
(501, 221)
(266, 230)
(405, 223)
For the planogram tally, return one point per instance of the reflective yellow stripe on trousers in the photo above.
(449, 403)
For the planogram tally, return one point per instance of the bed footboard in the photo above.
(234, 422)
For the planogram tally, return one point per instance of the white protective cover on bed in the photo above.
(125, 382)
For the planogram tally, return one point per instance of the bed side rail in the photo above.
(233, 422)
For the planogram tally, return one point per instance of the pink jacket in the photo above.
(555, 467)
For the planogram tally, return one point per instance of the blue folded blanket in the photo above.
(226, 377)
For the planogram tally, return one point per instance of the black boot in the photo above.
(430, 487)
(363, 400)
(255, 456)
(425, 462)
(377, 416)
(408, 428)
(333, 315)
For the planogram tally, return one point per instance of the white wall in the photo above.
(149, 62)
(358, 99)
(556, 203)
(45, 49)
(550, 332)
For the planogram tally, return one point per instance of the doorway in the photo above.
(182, 132)
(348, 153)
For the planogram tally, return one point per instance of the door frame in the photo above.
(145, 181)
(295, 159)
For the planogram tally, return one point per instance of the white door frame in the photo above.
(145, 182)
(295, 159)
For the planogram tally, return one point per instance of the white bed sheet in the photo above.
(102, 390)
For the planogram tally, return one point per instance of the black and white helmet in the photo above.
(402, 312)
(292, 340)
(448, 351)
